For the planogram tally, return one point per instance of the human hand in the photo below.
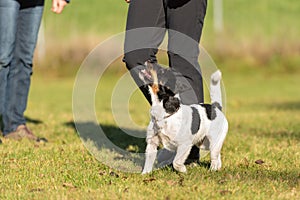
(58, 6)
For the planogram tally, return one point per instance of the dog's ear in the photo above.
(171, 104)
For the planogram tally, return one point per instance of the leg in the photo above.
(216, 162)
(18, 80)
(9, 11)
(217, 133)
(184, 50)
(145, 31)
(151, 151)
(181, 155)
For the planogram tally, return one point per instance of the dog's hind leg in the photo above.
(216, 162)
(216, 136)
(182, 153)
(151, 151)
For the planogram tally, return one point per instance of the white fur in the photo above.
(174, 131)
(215, 87)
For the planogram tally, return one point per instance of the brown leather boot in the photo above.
(21, 132)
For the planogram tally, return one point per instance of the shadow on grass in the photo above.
(205, 164)
(33, 121)
(112, 146)
(114, 134)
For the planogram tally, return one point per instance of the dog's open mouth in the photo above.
(147, 75)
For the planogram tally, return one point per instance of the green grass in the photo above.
(81, 17)
(263, 112)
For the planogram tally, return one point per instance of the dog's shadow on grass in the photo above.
(113, 145)
(114, 134)
(204, 164)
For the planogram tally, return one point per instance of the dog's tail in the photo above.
(215, 89)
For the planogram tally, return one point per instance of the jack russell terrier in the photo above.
(178, 127)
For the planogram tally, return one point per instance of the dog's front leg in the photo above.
(151, 151)
(181, 155)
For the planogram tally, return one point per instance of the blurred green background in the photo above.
(257, 34)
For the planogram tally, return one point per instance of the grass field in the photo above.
(264, 114)
(258, 52)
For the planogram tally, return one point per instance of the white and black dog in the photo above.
(178, 127)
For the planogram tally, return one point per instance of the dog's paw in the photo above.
(145, 172)
(215, 165)
(180, 168)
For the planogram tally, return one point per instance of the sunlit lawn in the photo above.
(263, 112)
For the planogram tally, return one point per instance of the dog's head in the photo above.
(161, 83)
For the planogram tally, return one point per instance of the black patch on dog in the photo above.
(164, 93)
(210, 111)
(196, 120)
(217, 105)
(171, 104)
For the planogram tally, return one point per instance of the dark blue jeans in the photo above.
(19, 26)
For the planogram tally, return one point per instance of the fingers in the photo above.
(58, 6)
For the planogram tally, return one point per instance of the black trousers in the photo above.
(148, 21)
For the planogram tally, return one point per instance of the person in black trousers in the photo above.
(147, 23)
